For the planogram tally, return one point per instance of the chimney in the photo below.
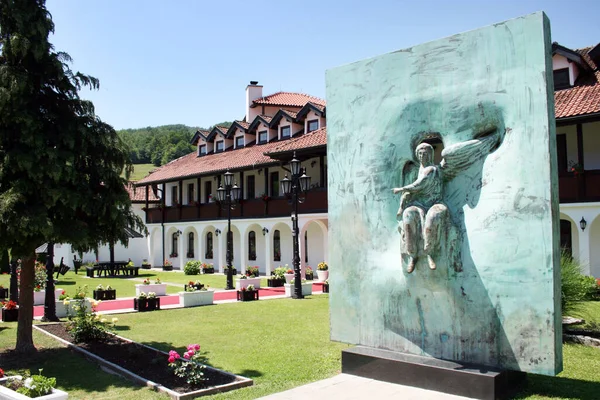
(253, 92)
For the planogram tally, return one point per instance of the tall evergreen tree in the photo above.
(60, 165)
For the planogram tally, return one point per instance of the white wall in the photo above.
(561, 62)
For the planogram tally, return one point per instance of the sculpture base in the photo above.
(432, 374)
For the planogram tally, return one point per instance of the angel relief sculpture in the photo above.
(425, 222)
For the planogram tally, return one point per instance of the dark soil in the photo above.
(147, 363)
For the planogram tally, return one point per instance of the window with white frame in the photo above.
(220, 145)
(262, 137)
(285, 131)
(239, 141)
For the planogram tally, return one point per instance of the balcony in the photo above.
(315, 202)
(581, 188)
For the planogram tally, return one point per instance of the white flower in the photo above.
(29, 383)
(115, 320)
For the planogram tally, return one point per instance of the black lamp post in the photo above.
(299, 183)
(228, 196)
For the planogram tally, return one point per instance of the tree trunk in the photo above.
(24, 329)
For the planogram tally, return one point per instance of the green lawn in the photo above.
(126, 286)
(141, 171)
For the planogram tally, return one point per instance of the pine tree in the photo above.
(60, 165)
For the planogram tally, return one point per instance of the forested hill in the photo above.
(159, 144)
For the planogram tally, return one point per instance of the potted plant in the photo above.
(192, 267)
(107, 293)
(146, 264)
(10, 311)
(306, 288)
(167, 266)
(322, 271)
(208, 268)
(308, 273)
(326, 286)
(244, 281)
(35, 386)
(288, 274)
(146, 302)
(196, 294)
(248, 293)
(252, 272)
(159, 288)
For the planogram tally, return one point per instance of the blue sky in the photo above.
(189, 61)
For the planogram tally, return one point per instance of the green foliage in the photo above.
(575, 286)
(86, 326)
(191, 366)
(39, 282)
(158, 145)
(33, 386)
(192, 267)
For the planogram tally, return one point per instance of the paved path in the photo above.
(350, 387)
(121, 305)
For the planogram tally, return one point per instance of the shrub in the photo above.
(192, 267)
(85, 326)
(191, 367)
(575, 286)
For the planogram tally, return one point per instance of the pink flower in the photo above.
(171, 359)
(187, 355)
(174, 354)
(193, 347)
(197, 347)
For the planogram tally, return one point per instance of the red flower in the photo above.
(1, 373)
(10, 305)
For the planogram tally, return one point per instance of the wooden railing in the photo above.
(580, 188)
(314, 202)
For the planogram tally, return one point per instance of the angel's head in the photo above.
(424, 153)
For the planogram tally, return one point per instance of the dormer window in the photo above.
(239, 141)
(202, 150)
(285, 132)
(313, 125)
(262, 137)
(561, 79)
(220, 145)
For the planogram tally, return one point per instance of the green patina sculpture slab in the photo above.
(443, 199)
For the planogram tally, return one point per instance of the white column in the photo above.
(222, 249)
(584, 251)
(326, 245)
(150, 243)
(243, 256)
(181, 243)
(199, 251)
(301, 246)
(268, 253)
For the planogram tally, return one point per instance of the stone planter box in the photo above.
(244, 283)
(322, 275)
(275, 282)
(3, 293)
(247, 295)
(306, 289)
(63, 310)
(39, 298)
(105, 294)
(6, 393)
(160, 289)
(289, 278)
(197, 298)
(142, 305)
(10, 315)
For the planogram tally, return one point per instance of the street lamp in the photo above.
(228, 196)
(299, 183)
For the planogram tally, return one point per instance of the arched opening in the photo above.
(209, 246)
(174, 240)
(252, 246)
(566, 237)
(276, 246)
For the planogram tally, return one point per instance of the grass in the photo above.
(588, 311)
(125, 287)
(141, 171)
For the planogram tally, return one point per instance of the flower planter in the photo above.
(9, 394)
(146, 266)
(64, 310)
(197, 298)
(105, 294)
(247, 295)
(159, 288)
(210, 270)
(197, 287)
(142, 305)
(244, 283)
(39, 298)
(326, 288)
(309, 277)
(275, 282)
(289, 278)
(306, 289)
(3, 293)
(10, 315)
(167, 268)
(322, 275)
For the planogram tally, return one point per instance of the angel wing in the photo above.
(458, 157)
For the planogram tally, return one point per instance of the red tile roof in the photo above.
(288, 99)
(243, 124)
(309, 140)
(192, 165)
(138, 195)
(584, 97)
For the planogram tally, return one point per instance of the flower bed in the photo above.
(141, 366)
(196, 298)
(244, 283)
